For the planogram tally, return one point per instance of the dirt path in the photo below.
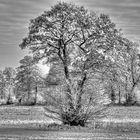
(24, 134)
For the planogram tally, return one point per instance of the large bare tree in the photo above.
(78, 41)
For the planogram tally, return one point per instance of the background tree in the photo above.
(9, 76)
(124, 71)
(24, 79)
(2, 86)
(27, 79)
(55, 76)
(132, 74)
(38, 81)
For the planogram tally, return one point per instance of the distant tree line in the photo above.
(21, 85)
(104, 55)
(117, 57)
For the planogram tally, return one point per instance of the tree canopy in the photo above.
(85, 46)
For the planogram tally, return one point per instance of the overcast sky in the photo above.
(15, 16)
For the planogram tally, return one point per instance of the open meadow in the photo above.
(29, 122)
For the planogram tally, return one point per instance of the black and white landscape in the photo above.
(69, 69)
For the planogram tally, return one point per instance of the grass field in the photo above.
(16, 115)
(23, 117)
(121, 123)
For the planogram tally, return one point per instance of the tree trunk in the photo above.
(36, 90)
(9, 96)
(29, 89)
(119, 95)
(112, 95)
(130, 99)
(79, 99)
(67, 76)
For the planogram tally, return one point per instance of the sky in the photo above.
(16, 14)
